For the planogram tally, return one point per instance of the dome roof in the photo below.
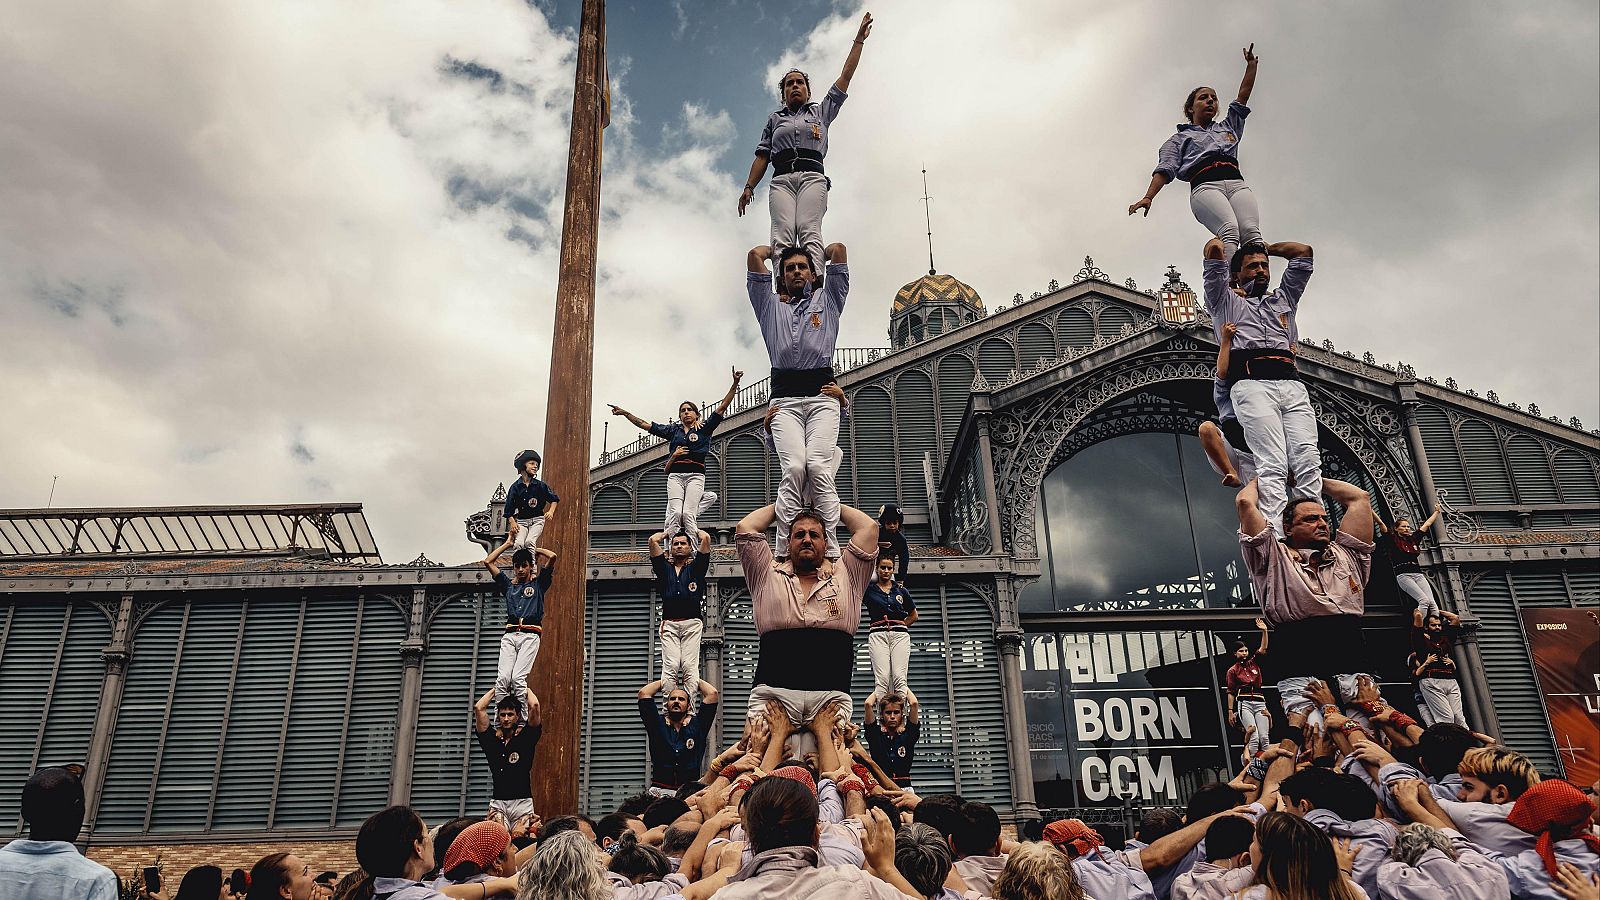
(937, 288)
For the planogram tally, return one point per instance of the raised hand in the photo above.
(1228, 330)
(1250, 57)
(737, 374)
(866, 28)
(877, 839)
(617, 410)
(1345, 854)
(1261, 624)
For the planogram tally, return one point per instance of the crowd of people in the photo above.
(1346, 797)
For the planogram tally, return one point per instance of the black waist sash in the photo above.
(806, 659)
(797, 159)
(1261, 364)
(800, 382)
(1213, 167)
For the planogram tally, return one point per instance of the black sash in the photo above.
(1213, 167)
(800, 382)
(1262, 364)
(797, 159)
(806, 659)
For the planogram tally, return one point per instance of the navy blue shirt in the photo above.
(683, 592)
(898, 548)
(676, 755)
(526, 502)
(894, 604)
(697, 440)
(894, 753)
(525, 599)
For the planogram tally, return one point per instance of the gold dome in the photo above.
(938, 288)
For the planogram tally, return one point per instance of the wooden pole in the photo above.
(566, 435)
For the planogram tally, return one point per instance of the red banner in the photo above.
(1566, 655)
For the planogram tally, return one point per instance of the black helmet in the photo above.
(524, 457)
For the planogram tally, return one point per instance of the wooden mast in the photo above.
(559, 678)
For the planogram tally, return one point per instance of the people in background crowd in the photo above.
(46, 865)
(286, 876)
(203, 883)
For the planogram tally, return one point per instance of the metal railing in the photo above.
(757, 394)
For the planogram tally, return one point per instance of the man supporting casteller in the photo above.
(509, 747)
(519, 646)
(1312, 584)
(677, 740)
(681, 583)
(806, 618)
(1269, 399)
(800, 329)
(528, 503)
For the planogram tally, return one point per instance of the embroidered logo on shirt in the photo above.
(527, 591)
(513, 757)
(692, 586)
(816, 131)
(816, 321)
(688, 743)
(901, 751)
(694, 435)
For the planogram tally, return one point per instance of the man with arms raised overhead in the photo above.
(806, 613)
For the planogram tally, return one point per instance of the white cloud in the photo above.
(260, 253)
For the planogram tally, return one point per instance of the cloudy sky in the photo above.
(302, 251)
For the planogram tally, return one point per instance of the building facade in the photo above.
(1075, 565)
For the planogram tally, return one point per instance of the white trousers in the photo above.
(1292, 693)
(891, 661)
(802, 707)
(1441, 698)
(1281, 428)
(1254, 713)
(680, 654)
(805, 434)
(797, 202)
(1416, 586)
(1228, 210)
(529, 535)
(518, 650)
(687, 501)
(511, 810)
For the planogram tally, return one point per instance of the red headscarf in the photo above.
(1555, 810)
(480, 843)
(796, 773)
(1073, 833)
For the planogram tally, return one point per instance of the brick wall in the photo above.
(176, 859)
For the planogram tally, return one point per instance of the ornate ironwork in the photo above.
(423, 562)
(1130, 284)
(1458, 526)
(1533, 409)
(1492, 397)
(499, 495)
(1089, 270)
(969, 513)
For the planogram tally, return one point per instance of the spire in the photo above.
(927, 217)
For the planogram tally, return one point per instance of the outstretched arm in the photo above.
(1251, 521)
(854, 58)
(1248, 83)
(727, 399)
(619, 411)
(1357, 521)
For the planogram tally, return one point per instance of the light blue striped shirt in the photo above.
(1265, 322)
(1181, 151)
(800, 335)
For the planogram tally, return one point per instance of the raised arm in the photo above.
(758, 521)
(488, 561)
(619, 411)
(756, 259)
(854, 58)
(705, 542)
(863, 529)
(1428, 522)
(870, 708)
(1248, 83)
(727, 399)
(480, 711)
(1357, 521)
(535, 717)
(650, 690)
(1251, 521)
(655, 544)
(708, 694)
(1224, 348)
(1377, 524)
(1261, 626)
(1166, 851)
(1288, 249)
